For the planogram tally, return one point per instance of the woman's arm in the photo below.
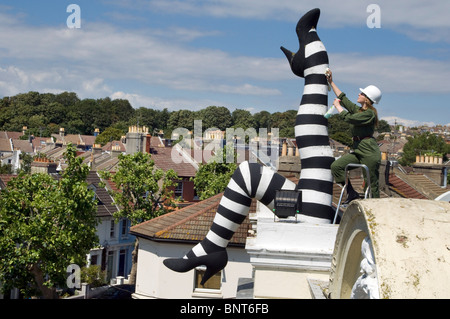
(329, 76)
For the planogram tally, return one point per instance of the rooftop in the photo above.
(189, 224)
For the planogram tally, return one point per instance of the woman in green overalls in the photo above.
(364, 120)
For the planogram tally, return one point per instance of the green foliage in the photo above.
(94, 276)
(339, 130)
(215, 116)
(144, 190)
(110, 134)
(421, 144)
(27, 159)
(383, 126)
(6, 168)
(342, 137)
(46, 224)
(213, 177)
(263, 119)
(285, 122)
(44, 113)
(243, 119)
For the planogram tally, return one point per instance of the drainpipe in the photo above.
(444, 176)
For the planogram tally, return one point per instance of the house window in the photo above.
(212, 285)
(94, 260)
(124, 228)
(112, 229)
(178, 192)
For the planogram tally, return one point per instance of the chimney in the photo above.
(61, 132)
(284, 149)
(96, 149)
(115, 151)
(43, 165)
(290, 151)
(147, 143)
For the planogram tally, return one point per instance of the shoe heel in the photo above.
(215, 263)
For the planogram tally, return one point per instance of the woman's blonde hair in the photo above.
(370, 106)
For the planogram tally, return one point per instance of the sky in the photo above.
(190, 54)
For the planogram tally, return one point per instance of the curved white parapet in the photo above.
(407, 239)
(444, 197)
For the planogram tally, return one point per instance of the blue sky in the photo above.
(194, 53)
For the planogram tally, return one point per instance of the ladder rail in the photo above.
(367, 193)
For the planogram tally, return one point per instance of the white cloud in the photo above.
(393, 74)
(138, 100)
(420, 20)
(408, 123)
(432, 13)
(85, 59)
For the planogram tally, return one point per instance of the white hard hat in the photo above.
(373, 93)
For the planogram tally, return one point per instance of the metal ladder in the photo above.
(367, 193)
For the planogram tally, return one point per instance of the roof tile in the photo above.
(190, 223)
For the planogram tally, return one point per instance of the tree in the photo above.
(110, 134)
(182, 119)
(215, 116)
(383, 126)
(26, 159)
(6, 168)
(243, 119)
(46, 224)
(213, 177)
(262, 119)
(423, 143)
(343, 138)
(336, 124)
(144, 192)
(285, 122)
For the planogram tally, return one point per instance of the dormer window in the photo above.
(92, 187)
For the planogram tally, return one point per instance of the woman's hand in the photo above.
(329, 76)
(337, 105)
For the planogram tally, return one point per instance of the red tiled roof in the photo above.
(5, 145)
(163, 160)
(403, 189)
(190, 224)
(23, 145)
(14, 135)
(5, 178)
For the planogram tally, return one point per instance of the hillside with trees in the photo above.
(44, 113)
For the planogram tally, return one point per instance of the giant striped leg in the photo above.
(311, 127)
(252, 180)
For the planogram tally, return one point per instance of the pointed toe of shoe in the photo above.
(177, 264)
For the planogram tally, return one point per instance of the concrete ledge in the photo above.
(286, 255)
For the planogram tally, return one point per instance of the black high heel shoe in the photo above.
(214, 263)
(350, 197)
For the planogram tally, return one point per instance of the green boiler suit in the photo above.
(365, 147)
